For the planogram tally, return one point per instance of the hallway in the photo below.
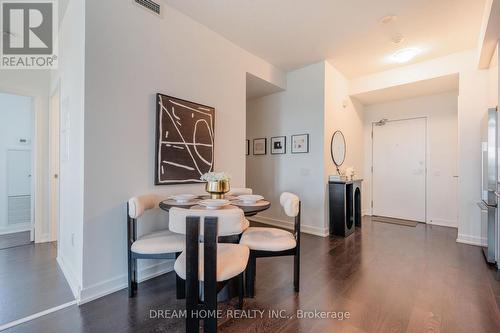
(31, 281)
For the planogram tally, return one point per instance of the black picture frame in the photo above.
(265, 146)
(182, 175)
(294, 151)
(248, 147)
(272, 149)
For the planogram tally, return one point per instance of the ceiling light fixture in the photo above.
(405, 55)
(388, 19)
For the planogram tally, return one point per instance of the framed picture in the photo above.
(259, 146)
(184, 140)
(278, 145)
(300, 143)
(248, 147)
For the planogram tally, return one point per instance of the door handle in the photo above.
(56, 176)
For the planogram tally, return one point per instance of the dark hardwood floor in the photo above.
(390, 278)
(14, 239)
(30, 281)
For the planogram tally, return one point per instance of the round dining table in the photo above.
(249, 209)
(230, 290)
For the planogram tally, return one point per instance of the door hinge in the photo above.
(372, 203)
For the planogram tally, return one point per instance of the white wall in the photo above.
(472, 105)
(130, 55)
(70, 76)
(344, 114)
(442, 138)
(493, 77)
(16, 122)
(316, 102)
(298, 110)
(35, 83)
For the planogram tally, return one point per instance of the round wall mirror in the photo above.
(338, 148)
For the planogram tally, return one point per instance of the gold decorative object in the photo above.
(218, 188)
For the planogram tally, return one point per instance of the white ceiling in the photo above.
(291, 34)
(419, 88)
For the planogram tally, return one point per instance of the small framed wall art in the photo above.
(278, 145)
(300, 143)
(259, 146)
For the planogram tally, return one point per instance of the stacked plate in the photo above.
(213, 203)
(250, 198)
(183, 198)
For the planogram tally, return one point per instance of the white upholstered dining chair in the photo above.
(161, 244)
(273, 242)
(213, 263)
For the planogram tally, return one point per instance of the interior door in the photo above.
(19, 173)
(19, 188)
(399, 169)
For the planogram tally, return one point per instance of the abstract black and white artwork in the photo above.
(278, 145)
(184, 140)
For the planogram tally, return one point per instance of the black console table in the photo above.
(345, 206)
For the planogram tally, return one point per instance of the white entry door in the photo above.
(399, 169)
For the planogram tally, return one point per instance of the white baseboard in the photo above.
(443, 223)
(323, 232)
(16, 229)
(70, 277)
(472, 240)
(36, 315)
(112, 285)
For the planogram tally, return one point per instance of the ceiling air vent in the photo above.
(149, 5)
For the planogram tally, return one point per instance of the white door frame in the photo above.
(427, 158)
(54, 171)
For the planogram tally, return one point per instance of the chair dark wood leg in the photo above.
(130, 262)
(192, 282)
(241, 290)
(134, 275)
(296, 271)
(130, 269)
(180, 284)
(250, 275)
(210, 272)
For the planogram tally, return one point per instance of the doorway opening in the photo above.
(29, 150)
(16, 172)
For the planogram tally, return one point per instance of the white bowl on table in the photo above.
(183, 198)
(250, 198)
(213, 203)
